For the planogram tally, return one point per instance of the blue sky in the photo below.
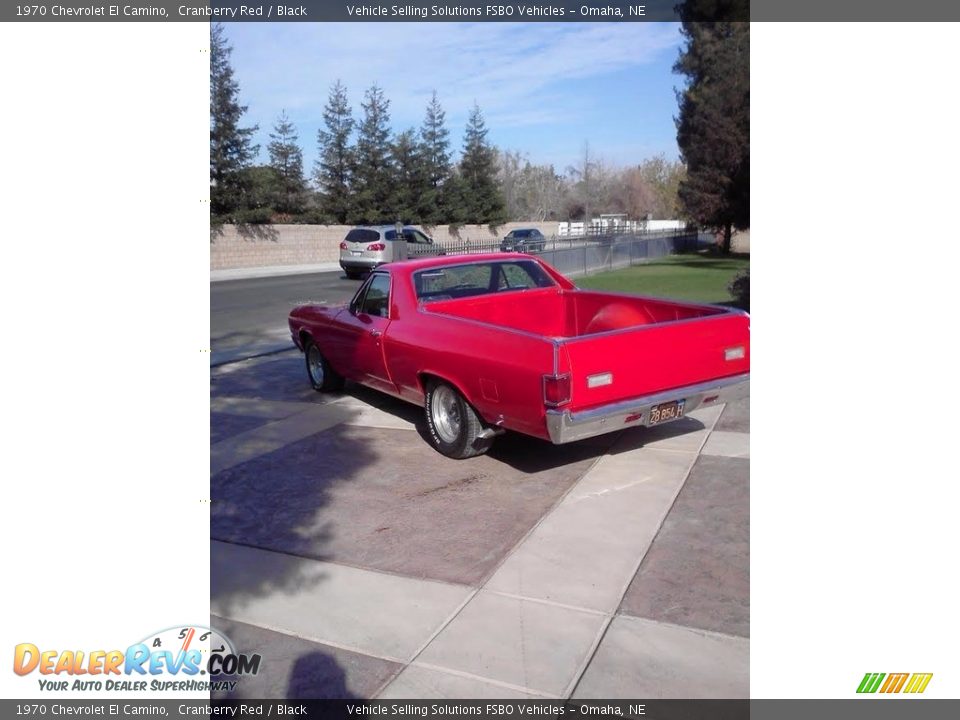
(543, 88)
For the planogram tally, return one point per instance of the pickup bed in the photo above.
(504, 342)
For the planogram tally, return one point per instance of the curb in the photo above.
(272, 271)
(228, 357)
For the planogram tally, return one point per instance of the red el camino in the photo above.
(504, 342)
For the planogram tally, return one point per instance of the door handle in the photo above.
(376, 333)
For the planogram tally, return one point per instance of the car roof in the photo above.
(383, 228)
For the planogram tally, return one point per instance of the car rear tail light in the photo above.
(343, 246)
(556, 390)
(377, 246)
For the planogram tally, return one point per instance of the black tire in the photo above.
(323, 378)
(453, 426)
(352, 274)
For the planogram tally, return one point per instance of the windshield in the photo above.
(479, 278)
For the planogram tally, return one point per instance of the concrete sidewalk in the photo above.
(362, 564)
(272, 271)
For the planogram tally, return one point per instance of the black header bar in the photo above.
(470, 11)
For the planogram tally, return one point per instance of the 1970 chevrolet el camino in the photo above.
(504, 342)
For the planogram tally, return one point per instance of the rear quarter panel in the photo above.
(654, 358)
(500, 372)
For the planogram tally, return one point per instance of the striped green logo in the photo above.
(894, 682)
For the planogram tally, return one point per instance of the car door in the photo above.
(364, 325)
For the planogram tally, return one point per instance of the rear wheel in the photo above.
(454, 426)
(352, 274)
(323, 378)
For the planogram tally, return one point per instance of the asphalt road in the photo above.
(249, 317)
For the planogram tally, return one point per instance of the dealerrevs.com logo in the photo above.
(191, 658)
(910, 683)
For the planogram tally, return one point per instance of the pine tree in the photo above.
(411, 179)
(332, 172)
(713, 129)
(286, 158)
(435, 139)
(373, 162)
(231, 148)
(479, 194)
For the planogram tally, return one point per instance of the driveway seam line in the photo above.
(443, 626)
(481, 678)
(588, 658)
(313, 639)
(493, 571)
(375, 571)
(676, 626)
(551, 603)
(577, 678)
(484, 580)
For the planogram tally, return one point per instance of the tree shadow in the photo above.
(273, 502)
(252, 232)
(279, 376)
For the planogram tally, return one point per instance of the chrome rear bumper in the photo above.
(565, 426)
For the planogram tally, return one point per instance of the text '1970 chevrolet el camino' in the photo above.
(504, 342)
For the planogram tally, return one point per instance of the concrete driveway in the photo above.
(360, 563)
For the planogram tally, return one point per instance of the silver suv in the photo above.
(365, 248)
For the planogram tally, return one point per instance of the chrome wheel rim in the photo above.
(315, 365)
(445, 411)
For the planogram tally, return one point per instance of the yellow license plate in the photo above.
(665, 412)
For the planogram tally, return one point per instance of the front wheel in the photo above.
(323, 378)
(453, 425)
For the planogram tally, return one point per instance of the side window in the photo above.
(377, 300)
(514, 277)
(454, 281)
(419, 237)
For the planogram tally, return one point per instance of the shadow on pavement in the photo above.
(271, 502)
(275, 377)
(292, 668)
(283, 378)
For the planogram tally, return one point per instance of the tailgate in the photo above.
(359, 249)
(616, 366)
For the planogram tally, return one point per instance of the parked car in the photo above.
(449, 334)
(524, 240)
(368, 247)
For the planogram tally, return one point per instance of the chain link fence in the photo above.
(597, 253)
